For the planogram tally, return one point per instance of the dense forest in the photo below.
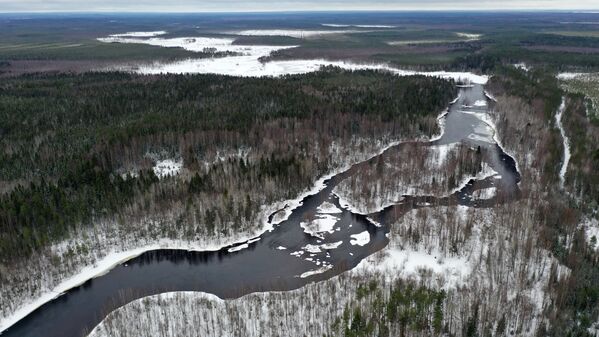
(75, 148)
(529, 121)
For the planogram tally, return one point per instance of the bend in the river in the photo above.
(285, 258)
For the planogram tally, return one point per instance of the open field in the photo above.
(450, 41)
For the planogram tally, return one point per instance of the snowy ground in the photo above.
(167, 168)
(342, 25)
(247, 63)
(513, 285)
(371, 191)
(110, 244)
(297, 33)
(566, 160)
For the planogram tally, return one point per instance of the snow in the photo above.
(360, 239)
(115, 258)
(442, 151)
(316, 271)
(102, 267)
(238, 248)
(247, 63)
(167, 168)
(323, 223)
(409, 262)
(333, 245)
(567, 154)
(486, 172)
(337, 25)
(480, 103)
(281, 248)
(570, 76)
(140, 34)
(485, 193)
(456, 99)
(469, 36)
(591, 229)
(310, 248)
(328, 208)
(297, 33)
(522, 66)
(489, 96)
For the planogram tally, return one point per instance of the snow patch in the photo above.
(328, 208)
(297, 33)
(360, 239)
(140, 34)
(248, 61)
(485, 193)
(167, 168)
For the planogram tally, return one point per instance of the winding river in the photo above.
(285, 258)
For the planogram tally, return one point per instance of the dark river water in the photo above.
(264, 265)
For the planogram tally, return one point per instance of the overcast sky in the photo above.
(289, 5)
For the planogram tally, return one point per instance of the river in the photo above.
(287, 257)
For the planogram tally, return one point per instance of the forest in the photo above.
(80, 148)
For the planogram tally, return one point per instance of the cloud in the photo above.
(274, 5)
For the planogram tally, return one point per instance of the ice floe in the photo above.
(323, 223)
(338, 25)
(238, 248)
(316, 271)
(360, 239)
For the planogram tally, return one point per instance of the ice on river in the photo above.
(360, 239)
(323, 223)
(316, 271)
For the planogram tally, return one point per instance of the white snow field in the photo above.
(247, 62)
(297, 33)
(140, 34)
(343, 25)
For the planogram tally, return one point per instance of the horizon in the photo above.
(290, 6)
(305, 11)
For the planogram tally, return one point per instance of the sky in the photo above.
(286, 5)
